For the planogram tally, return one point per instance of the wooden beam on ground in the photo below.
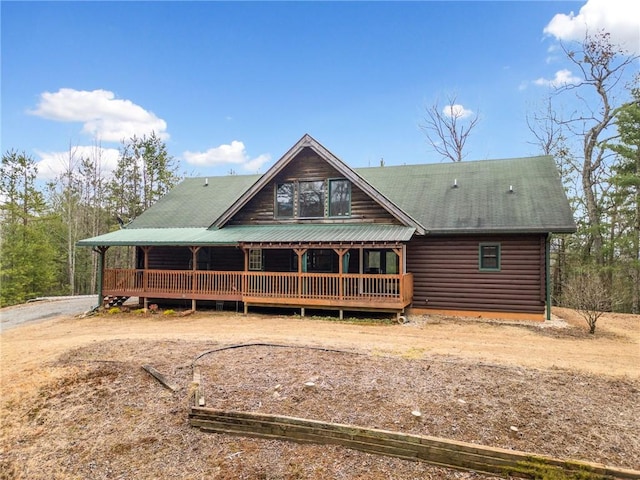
(161, 378)
(198, 393)
(433, 450)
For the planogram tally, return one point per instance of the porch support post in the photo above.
(300, 253)
(360, 269)
(145, 276)
(245, 279)
(194, 267)
(341, 253)
(101, 254)
(398, 251)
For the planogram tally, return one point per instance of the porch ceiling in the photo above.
(234, 235)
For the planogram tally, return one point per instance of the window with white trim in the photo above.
(255, 259)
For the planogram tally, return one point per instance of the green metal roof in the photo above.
(233, 235)
(489, 196)
(195, 202)
(482, 201)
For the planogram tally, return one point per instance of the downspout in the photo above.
(547, 275)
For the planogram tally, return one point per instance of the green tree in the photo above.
(76, 196)
(27, 257)
(96, 218)
(145, 172)
(625, 197)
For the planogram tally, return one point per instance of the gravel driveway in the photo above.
(43, 308)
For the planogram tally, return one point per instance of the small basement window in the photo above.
(489, 256)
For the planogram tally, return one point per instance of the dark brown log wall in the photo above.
(447, 277)
(169, 258)
(209, 258)
(309, 166)
(226, 259)
(276, 260)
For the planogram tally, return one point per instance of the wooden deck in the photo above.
(320, 290)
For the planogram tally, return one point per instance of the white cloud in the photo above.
(232, 154)
(255, 164)
(52, 164)
(104, 117)
(562, 78)
(457, 111)
(621, 18)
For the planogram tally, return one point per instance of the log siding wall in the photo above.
(309, 166)
(168, 258)
(447, 275)
(209, 258)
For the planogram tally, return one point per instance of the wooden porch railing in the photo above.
(270, 287)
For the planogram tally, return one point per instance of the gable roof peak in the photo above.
(308, 141)
(305, 141)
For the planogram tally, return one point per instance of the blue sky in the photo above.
(232, 85)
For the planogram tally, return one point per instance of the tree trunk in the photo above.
(591, 203)
(635, 297)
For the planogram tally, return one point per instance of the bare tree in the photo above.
(64, 197)
(585, 292)
(550, 139)
(546, 129)
(448, 128)
(602, 66)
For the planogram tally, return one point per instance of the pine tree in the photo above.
(625, 197)
(27, 256)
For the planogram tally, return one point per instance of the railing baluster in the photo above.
(367, 288)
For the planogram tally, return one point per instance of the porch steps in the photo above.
(114, 300)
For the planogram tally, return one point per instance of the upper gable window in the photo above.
(311, 199)
(285, 199)
(339, 198)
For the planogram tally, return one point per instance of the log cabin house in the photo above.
(469, 238)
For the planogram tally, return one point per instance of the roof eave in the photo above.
(518, 230)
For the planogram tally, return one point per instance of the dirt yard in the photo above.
(77, 404)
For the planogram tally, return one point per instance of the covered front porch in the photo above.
(304, 290)
(341, 268)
